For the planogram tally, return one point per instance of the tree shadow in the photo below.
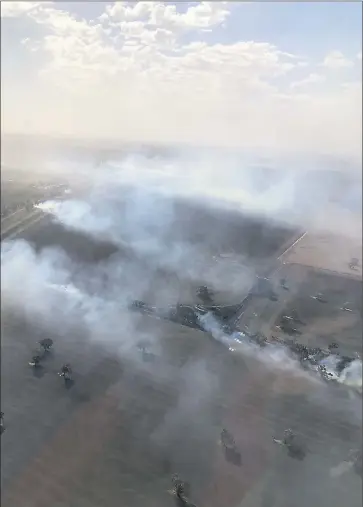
(233, 456)
(296, 452)
(68, 383)
(38, 371)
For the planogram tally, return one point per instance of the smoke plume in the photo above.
(174, 215)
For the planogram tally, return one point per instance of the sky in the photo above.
(284, 76)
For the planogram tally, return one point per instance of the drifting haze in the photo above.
(270, 81)
(256, 75)
(151, 208)
(297, 193)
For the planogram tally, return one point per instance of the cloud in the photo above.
(336, 60)
(145, 72)
(205, 15)
(16, 9)
(311, 79)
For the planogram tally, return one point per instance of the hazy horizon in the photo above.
(284, 77)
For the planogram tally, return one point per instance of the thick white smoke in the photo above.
(138, 211)
(278, 357)
(139, 205)
(136, 204)
(301, 194)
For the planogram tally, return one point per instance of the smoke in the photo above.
(147, 230)
(273, 356)
(26, 277)
(352, 375)
(193, 404)
(179, 216)
(297, 194)
(82, 306)
(278, 357)
(146, 212)
(151, 208)
(89, 305)
(58, 293)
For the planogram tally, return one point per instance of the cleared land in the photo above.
(327, 252)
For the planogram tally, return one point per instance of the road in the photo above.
(118, 434)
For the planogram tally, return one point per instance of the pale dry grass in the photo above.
(327, 252)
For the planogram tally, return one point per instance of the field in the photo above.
(322, 322)
(116, 437)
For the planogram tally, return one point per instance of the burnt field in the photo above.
(337, 317)
(133, 418)
(326, 308)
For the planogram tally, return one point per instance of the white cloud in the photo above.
(12, 9)
(359, 55)
(158, 14)
(336, 60)
(311, 79)
(130, 74)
